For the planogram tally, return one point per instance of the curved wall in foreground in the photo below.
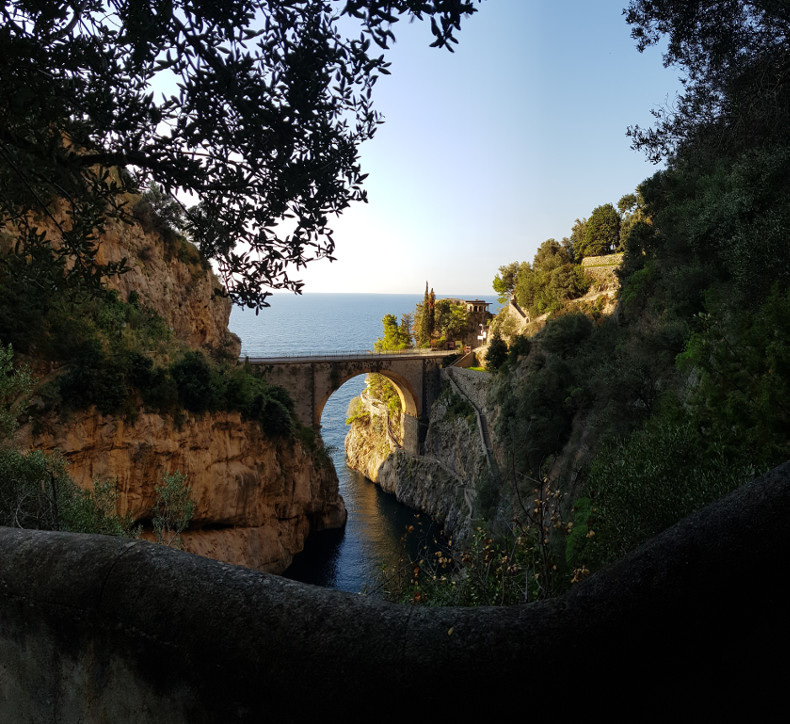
(96, 629)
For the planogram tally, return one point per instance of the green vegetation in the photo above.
(173, 510)
(380, 388)
(97, 350)
(96, 511)
(490, 572)
(496, 353)
(556, 277)
(682, 396)
(396, 336)
(601, 233)
(425, 318)
(382, 427)
(120, 356)
(435, 323)
(357, 412)
(517, 565)
(458, 406)
(35, 490)
(79, 103)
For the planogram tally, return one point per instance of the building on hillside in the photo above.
(474, 306)
(479, 317)
(476, 331)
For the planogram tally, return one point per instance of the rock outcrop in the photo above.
(451, 479)
(367, 444)
(257, 497)
(169, 276)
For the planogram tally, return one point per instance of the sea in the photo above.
(381, 534)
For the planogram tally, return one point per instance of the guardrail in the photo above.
(348, 354)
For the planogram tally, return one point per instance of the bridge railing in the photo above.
(347, 354)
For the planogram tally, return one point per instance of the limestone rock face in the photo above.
(168, 277)
(367, 444)
(445, 480)
(257, 498)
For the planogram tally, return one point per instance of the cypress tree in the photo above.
(421, 321)
(431, 315)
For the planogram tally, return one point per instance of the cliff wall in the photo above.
(257, 497)
(451, 479)
(168, 275)
(367, 443)
(164, 270)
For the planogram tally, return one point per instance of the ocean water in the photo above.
(375, 538)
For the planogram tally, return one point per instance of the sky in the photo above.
(487, 152)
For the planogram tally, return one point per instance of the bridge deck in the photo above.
(348, 355)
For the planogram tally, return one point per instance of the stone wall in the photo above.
(95, 629)
(602, 268)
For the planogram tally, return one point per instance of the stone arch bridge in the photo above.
(311, 380)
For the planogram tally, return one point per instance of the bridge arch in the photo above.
(406, 394)
(311, 380)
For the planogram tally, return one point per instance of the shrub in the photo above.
(357, 412)
(489, 571)
(197, 387)
(496, 354)
(520, 346)
(647, 482)
(95, 511)
(36, 492)
(173, 510)
(562, 336)
(94, 379)
(15, 385)
(458, 406)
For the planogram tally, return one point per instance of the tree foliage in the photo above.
(452, 320)
(254, 108)
(396, 336)
(496, 354)
(505, 282)
(549, 256)
(551, 281)
(632, 210)
(575, 241)
(734, 57)
(601, 232)
(425, 318)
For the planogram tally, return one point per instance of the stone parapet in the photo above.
(96, 629)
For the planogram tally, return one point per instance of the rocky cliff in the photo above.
(168, 275)
(451, 479)
(367, 443)
(163, 270)
(257, 497)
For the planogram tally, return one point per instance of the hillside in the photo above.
(138, 379)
